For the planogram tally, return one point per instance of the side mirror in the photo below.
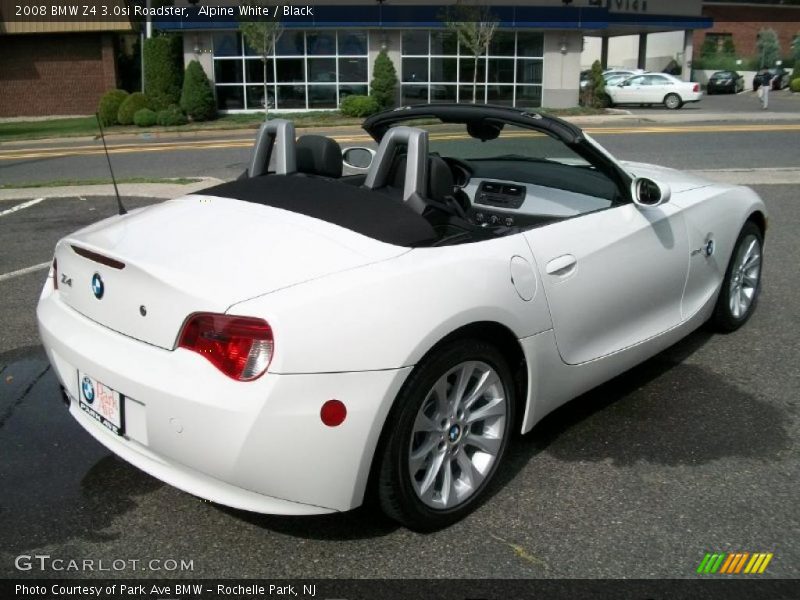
(647, 193)
(358, 158)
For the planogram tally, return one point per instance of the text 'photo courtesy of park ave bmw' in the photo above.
(298, 295)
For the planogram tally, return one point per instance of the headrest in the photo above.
(440, 179)
(319, 155)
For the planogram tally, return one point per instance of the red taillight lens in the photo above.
(240, 347)
(696, 87)
(55, 273)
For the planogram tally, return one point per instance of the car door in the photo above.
(658, 87)
(612, 278)
(630, 91)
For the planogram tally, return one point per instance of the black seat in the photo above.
(319, 156)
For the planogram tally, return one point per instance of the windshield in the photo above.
(513, 144)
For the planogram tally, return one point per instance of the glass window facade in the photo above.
(310, 70)
(436, 68)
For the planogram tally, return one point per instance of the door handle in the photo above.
(561, 266)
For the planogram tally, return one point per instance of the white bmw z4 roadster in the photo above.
(285, 342)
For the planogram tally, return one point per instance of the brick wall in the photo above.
(55, 74)
(744, 22)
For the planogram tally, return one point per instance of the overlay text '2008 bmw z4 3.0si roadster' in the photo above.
(284, 342)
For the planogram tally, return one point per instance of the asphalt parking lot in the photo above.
(692, 452)
(782, 101)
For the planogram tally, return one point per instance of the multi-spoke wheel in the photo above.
(739, 293)
(453, 420)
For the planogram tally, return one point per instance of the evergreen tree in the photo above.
(384, 81)
(197, 98)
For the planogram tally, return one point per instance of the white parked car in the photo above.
(283, 342)
(654, 88)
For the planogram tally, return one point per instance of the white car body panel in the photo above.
(169, 274)
(585, 298)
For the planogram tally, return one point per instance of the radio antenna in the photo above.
(122, 210)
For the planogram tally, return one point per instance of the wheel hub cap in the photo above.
(457, 435)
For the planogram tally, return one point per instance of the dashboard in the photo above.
(535, 192)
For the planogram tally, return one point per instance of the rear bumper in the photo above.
(258, 446)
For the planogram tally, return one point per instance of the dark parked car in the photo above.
(725, 82)
(778, 75)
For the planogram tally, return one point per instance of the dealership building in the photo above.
(534, 59)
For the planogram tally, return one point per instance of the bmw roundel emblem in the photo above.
(98, 288)
(87, 389)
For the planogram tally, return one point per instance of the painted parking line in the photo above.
(25, 271)
(14, 209)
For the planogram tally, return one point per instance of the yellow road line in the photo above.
(64, 151)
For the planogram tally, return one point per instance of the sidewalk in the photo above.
(616, 116)
(139, 190)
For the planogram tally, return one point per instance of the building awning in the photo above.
(598, 20)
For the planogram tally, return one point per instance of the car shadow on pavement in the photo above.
(666, 411)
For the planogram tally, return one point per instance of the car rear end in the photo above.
(155, 367)
(690, 92)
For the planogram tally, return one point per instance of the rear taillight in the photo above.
(696, 87)
(240, 347)
(55, 273)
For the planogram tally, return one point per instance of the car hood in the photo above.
(678, 181)
(199, 253)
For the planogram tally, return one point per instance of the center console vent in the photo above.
(502, 195)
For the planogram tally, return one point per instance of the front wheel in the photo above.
(673, 101)
(742, 283)
(449, 430)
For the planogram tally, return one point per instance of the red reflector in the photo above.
(333, 413)
(240, 347)
(696, 87)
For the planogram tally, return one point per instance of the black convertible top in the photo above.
(361, 210)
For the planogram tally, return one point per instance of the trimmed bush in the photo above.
(130, 106)
(795, 85)
(384, 81)
(163, 70)
(144, 117)
(171, 117)
(197, 98)
(359, 106)
(109, 106)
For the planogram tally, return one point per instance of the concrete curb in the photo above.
(145, 190)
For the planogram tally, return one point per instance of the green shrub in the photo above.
(130, 106)
(359, 106)
(197, 98)
(171, 117)
(163, 70)
(384, 81)
(144, 117)
(795, 85)
(109, 106)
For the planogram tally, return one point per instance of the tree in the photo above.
(383, 86)
(598, 84)
(475, 27)
(197, 98)
(796, 56)
(163, 70)
(262, 36)
(728, 47)
(709, 47)
(768, 48)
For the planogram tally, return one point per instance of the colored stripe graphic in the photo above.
(734, 563)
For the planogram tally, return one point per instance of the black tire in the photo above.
(607, 101)
(724, 319)
(396, 493)
(670, 99)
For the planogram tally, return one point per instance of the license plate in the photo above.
(101, 402)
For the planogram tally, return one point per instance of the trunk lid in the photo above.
(198, 253)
